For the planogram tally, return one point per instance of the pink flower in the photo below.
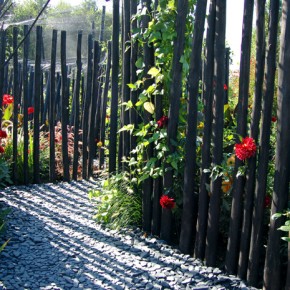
(167, 202)
(246, 149)
(162, 122)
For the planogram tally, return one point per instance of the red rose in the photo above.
(7, 99)
(167, 202)
(2, 149)
(162, 122)
(274, 119)
(3, 134)
(30, 110)
(246, 149)
(225, 87)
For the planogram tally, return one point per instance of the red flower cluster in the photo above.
(246, 149)
(162, 122)
(267, 201)
(167, 202)
(225, 87)
(7, 99)
(30, 110)
(3, 134)
(274, 119)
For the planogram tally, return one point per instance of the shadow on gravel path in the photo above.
(55, 244)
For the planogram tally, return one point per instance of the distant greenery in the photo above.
(65, 17)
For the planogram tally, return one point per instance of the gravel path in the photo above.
(55, 244)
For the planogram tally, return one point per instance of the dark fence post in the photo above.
(227, 72)
(93, 108)
(16, 94)
(272, 271)
(147, 184)
(25, 106)
(174, 99)
(37, 95)
(51, 113)
(104, 105)
(125, 135)
(86, 108)
(203, 199)
(189, 212)
(263, 159)
(64, 107)
(218, 125)
(133, 74)
(77, 106)
(115, 81)
(239, 182)
(2, 68)
(254, 133)
(102, 32)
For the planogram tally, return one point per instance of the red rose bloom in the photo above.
(7, 99)
(162, 122)
(1, 149)
(167, 202)
(246, 149)
(30, 110)
(3, 134)
(267, 201)
(274, 119)
(225, 87)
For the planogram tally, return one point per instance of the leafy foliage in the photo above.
(119, 202)
(3, 214)
(286, 226)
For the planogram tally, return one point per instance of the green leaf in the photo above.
(284, 228)
(153, 71)
(132, 86)
(174, 164)
(139, 63)
(8, 112)
(149, 107)
(143, 177)
(286, 239)
(129, 127)
(276, 215)
(4, 245)
(150, 89)
(132, 161)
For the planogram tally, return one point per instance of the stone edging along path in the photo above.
(55, 244)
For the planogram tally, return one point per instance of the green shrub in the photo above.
(4, 173)
(119, 203)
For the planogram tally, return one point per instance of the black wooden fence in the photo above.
(75, 96)
(59, 105)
